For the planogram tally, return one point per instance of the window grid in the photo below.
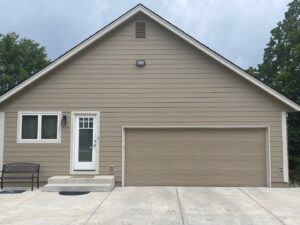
(86, 123)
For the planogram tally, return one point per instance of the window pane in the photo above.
(80, 122)
(29, 127)
(49, 127)
(90, 122)
(86, 125)
(85, 145)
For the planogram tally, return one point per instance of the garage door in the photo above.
(189, 157)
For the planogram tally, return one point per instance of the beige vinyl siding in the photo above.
(179, 86)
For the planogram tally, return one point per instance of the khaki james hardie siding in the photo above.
(179, 86)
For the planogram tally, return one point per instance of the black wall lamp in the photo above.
(140, 63)
(64, 121)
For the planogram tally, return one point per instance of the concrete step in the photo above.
(82, 180)
(72, 183)
(78, 187)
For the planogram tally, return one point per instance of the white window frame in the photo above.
(39, 139)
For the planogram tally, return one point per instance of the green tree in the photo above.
(280, 69)
(19, 59)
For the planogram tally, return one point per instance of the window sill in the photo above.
(38, 141)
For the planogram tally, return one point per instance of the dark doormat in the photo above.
(12, 191)
(72, 193)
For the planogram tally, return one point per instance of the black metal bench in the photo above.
(21, 170)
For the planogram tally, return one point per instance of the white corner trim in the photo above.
(123, 156)
(285, 161)
(268, 157)
(72, 137)
(2, 124)
(268, 144)
(39, 140)
(170, 27)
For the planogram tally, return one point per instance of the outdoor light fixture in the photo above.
(64, 121)
(140, 63)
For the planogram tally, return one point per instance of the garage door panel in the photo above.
(208, 157)
(211, 179)
(224, 163)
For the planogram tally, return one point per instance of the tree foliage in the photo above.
(19, 59)
(280, 68)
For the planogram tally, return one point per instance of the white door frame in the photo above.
(72, 142)
(268, 145)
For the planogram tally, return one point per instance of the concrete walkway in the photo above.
(155, 205)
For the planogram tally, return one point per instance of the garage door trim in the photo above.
(268, 151)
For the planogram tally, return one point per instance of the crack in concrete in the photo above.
(268, 211)
(100, 204)
(180, 206)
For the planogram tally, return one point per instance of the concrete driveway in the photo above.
(155, 205)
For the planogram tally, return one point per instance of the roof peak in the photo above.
(142, 8)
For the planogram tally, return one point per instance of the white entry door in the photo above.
(85, 142)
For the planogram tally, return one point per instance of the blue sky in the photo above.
(237, 29)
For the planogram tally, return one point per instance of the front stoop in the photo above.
(69, 183)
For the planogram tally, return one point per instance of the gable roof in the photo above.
(137, 9)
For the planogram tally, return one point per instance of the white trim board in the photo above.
(142, 9)
(285, 161)
(268, 143)
(268, 156)
(2, 121)
(97, 154)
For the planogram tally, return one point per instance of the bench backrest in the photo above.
(21, 167)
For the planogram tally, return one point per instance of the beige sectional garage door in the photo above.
(189, 157)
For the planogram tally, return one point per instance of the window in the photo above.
(42, 127)
(140, 29)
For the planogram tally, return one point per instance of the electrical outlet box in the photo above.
(111, 170)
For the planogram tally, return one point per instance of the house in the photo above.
(144, 101)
